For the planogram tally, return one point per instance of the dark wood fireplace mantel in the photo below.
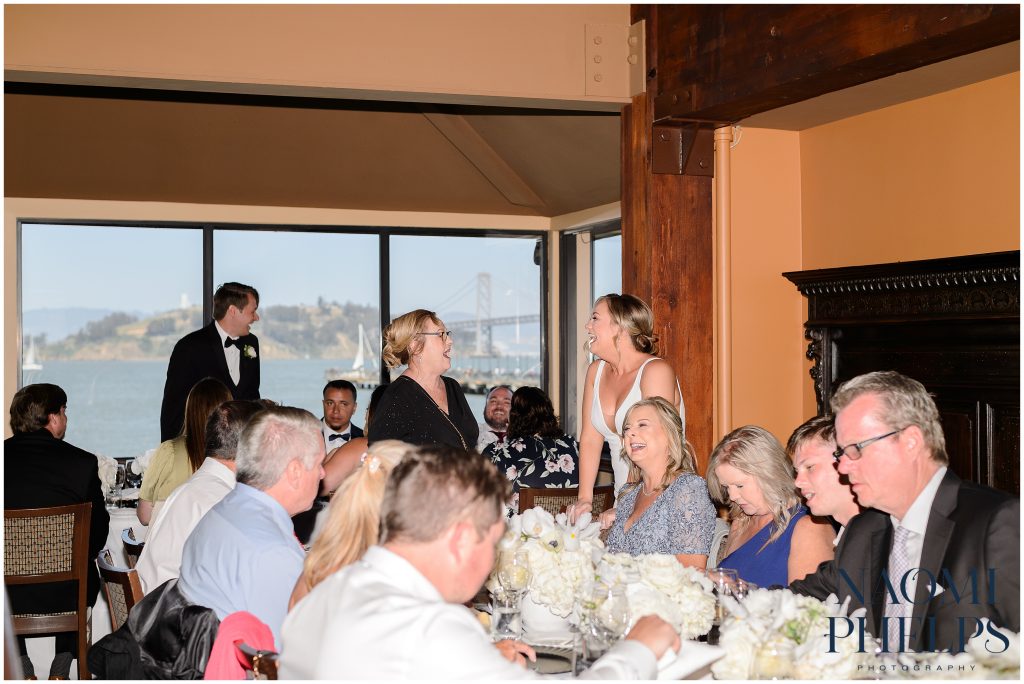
(953, 324)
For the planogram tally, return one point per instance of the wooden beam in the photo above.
(723, 63)
(667, 261)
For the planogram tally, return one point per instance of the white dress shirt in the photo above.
(232, 354)
(328, 431)
(174, 522)
(486, 437)
(380, 618)
(915, 521)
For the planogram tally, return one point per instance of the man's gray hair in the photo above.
(271, 440)
(905, 402)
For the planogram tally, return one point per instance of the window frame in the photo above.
(383, 233)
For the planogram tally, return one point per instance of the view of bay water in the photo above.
(114, 406)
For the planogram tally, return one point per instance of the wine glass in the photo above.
(513, 571)
(604, 618)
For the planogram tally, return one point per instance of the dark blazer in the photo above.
(198, 355)
(972, 530)
(41, 471)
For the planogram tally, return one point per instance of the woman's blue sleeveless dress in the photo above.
(768, 566)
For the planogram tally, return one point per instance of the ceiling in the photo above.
(143, 145)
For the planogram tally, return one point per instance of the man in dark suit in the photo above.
(932, 556)
(224, 349)
(339, 405)
(42, 470)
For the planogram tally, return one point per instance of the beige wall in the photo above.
(935, 177)
(462, 53)
(767, 322)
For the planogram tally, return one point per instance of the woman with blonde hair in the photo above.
(665, 508)
(772, 540)
(422, 406)
(353, 517)
(627, 369)
(176, 459)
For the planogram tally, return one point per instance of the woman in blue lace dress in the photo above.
(665, 508)
(772, 540)
(535, 452)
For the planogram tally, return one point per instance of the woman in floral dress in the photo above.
(535, 452)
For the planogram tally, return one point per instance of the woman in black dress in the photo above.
(535, 453)
(422, 406)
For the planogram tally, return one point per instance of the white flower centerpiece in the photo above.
(658, 584)
(779, 634)
(108, 472)
(560, 557)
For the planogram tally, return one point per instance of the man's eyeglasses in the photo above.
(858, 447)
(443, 334)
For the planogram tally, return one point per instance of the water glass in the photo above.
(604, 618)
(506, 617)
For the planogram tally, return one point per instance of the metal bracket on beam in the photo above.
(683, 150)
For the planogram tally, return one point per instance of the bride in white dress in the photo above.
(626, 370)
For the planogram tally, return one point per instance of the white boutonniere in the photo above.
(249, 352)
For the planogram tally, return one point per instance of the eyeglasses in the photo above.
(859, 446)
(443, 334)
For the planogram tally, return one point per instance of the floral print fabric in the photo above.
(536, 462)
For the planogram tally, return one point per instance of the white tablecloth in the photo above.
(40, 650)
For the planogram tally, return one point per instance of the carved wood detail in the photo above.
(953, 324)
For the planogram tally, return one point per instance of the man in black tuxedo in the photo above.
(339, 405)
(932, 555)
(42, 470)
(224, 349)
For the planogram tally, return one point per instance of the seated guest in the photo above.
(161, 557)
(422, 406)
(176, 459)
(398, 613)
(825, 491)
(343, 460)
(772, 540)
(497, 406)
(41, 470)
(353, 517)
(535, 452)
(243, 554)
(665, 508)
(920, 521)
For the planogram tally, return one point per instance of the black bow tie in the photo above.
(343, 438)
(234, 343)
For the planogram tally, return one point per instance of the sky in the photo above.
(148, 270)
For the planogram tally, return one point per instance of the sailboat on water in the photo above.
(361, 375)
(29, 363)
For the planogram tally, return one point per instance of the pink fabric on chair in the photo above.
(225, 661)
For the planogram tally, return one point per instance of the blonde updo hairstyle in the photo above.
(353, 516)
(633, 315)
(681, 458)
(400, 336)
(756, 452)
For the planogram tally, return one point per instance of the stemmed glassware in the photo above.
(604, 618)
(506, 606)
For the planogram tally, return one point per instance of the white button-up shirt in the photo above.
(380, 618)
(232, 354)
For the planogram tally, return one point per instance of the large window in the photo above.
(607, 265)
(319, 296)
(487, 291)
(102, 307)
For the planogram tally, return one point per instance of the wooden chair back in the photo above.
(132, 547)
(44, 545)
(262, 664)
(122, 587)
(718, 543)
(555, 500)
